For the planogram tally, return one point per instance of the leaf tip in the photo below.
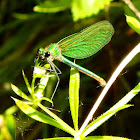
(14, 98)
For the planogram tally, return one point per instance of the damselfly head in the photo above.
(41, 53)
(47, 54)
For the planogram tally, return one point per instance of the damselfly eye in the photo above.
(47, 54)
(39, 51)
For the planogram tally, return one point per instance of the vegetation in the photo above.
(29, 25)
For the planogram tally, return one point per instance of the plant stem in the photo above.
(125, 61)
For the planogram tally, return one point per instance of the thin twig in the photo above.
(132, 7)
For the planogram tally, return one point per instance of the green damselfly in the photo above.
(79, 46)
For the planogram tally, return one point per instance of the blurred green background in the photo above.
(28, 25)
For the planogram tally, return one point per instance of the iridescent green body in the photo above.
(80, 45)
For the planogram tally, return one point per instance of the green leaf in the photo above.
(20, 93)
(105, 138)
(118, 106)
(74, 96)
(26, 82)
(11, 110)
(36, 115)
(86, 8)
(50, 6)
(11, 123)
(101, 119)
(10, 120)
(131, 18)
(133, 23)
(64, 125)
